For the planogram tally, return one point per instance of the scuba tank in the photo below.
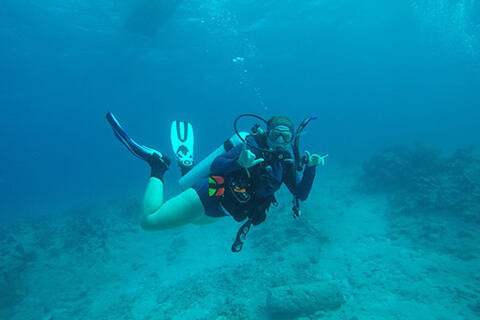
(202, 169)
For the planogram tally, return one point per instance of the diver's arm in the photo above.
(302, 188)
(305, 185)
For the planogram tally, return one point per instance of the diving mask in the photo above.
(280, 135)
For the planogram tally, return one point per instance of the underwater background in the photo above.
(390, 230)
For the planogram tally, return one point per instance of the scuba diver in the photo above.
(239, 179)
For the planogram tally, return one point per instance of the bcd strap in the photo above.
(241, 235)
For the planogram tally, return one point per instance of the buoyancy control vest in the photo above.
(238, 190)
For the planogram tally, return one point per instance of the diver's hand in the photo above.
(315, 159)
(247, 158)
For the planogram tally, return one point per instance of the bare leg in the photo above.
(181, 210)
(155, 215)
(204, 219)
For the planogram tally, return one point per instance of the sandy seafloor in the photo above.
(96, 263)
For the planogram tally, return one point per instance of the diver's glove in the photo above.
(247, 158)
(313, 160)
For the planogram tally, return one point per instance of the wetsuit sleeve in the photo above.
(302, 188)
(227, 162)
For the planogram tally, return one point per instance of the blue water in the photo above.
(373, 72)
(377, 73)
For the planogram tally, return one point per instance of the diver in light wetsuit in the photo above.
(242, 182)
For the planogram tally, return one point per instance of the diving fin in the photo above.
(182, 144)
(158, 162)
(137, 149)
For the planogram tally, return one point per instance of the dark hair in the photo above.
(280, 121)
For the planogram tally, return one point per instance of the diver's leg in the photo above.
(153, 197)
(181, 210)
(155, 215)
(204, 219)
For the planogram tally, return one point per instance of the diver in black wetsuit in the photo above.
(242, 181)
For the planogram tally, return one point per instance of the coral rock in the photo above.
(288, 302)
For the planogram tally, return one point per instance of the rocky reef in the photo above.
(293, 301)
(423, 179)
(14, 266)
